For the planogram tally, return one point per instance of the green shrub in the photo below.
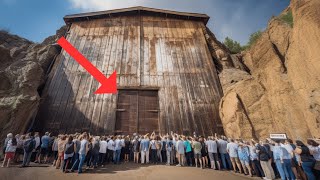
(287, 18)
(253, 38)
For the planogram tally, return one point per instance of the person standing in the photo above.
(180, 151)
(10, 150)
(197, 152)
(213, 153)
(83, 151)
(163, 148)
(110, 150)
(243, 152)
(159, 148)
(188, 151)
(169, 149)
(232, 149)
(307, 161)
(314, 148)
(222, 148)
(118, 147)
(28, 146)
(95, 151)
(102, 151)
(153, 148)
(287, 154)
(70, 148)
(255, 163)
(126, 148)
(36, 151)
(44, 147)
(144, 148)
(265, 160)
(61, 146)
(204, 153)
(19, 150)
(136, 149)
(75, 158)
(5, 144)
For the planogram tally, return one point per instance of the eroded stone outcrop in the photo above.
(23, 70)
(281, 91)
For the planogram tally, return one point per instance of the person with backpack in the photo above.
(10, 149)
(263, 150)
(28, 146)
(70, 148)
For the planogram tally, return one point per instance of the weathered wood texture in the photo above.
(168, 54)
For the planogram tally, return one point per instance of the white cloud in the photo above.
(97, 5)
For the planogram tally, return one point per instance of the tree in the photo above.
(233, 46)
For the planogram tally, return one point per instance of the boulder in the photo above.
(24, 67)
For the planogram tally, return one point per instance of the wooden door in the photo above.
(137, 111)
(127, 112)
(148, 112)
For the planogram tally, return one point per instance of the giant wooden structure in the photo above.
(166, 77)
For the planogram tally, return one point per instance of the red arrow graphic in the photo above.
(108, 85)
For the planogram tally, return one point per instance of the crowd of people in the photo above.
(268, 159)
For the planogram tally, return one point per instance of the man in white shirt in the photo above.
(110, 149)
(232, 149)
(102, 151)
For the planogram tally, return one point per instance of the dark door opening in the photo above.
(137, 112)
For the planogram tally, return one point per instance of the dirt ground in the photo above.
(119, 172)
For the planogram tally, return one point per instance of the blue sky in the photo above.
(38, 19)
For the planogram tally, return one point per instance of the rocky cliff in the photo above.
(23, 69)
(279, 89)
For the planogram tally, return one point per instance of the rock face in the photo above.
(23, 70)
(279, 89)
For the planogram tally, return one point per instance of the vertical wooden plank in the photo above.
(77, 116)
(107, 61)
(60, 88)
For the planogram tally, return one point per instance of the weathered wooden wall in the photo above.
(158, 52)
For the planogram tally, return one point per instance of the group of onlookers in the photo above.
(268, 159)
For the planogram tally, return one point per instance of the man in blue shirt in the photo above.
(188, 149)
(144, 148)
(283, 161)
(44, 148)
